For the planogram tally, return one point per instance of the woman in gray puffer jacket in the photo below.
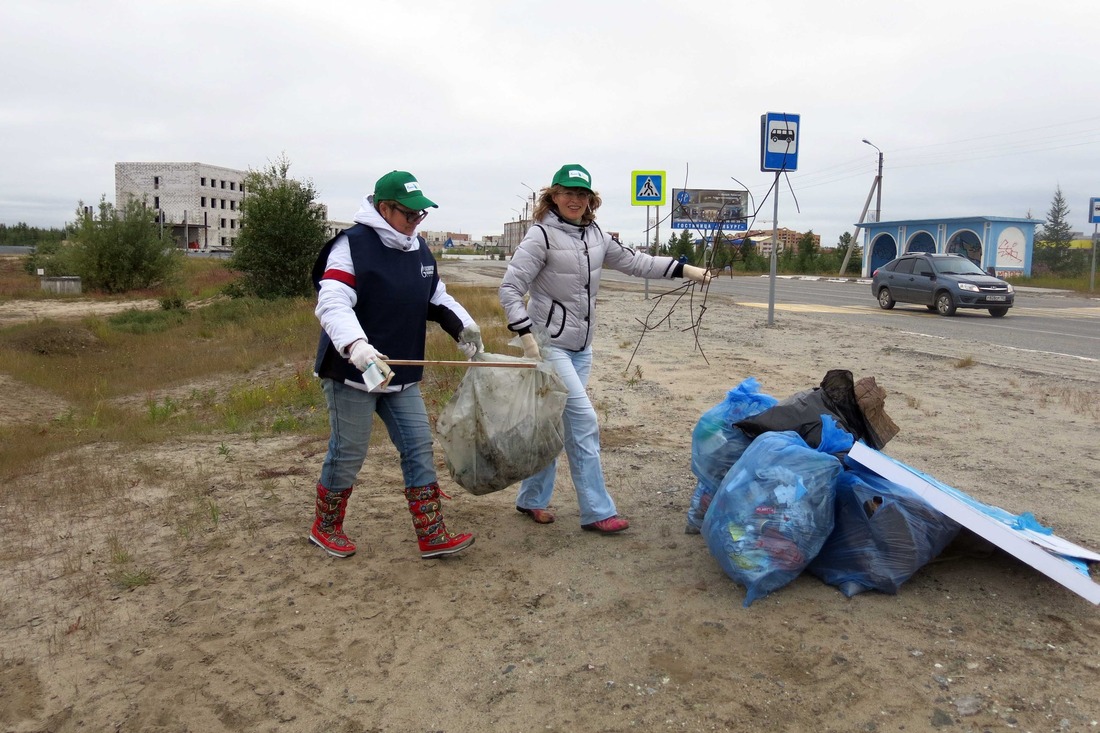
(558, 264)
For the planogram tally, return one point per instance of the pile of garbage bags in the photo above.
(775, 496)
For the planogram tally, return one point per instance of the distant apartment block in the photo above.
(202, 203)
(785, 239)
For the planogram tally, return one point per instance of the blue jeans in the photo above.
(351, 416)
(582, 444)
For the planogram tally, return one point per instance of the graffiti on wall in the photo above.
(1010, 248)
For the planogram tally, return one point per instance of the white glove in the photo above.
(362, 355)
(530, 346)
(469, 341)
(698, 274)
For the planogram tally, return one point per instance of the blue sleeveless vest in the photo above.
(393, 290)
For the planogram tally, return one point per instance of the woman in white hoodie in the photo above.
(377, 287)
(558, 265)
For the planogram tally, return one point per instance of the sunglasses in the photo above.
(410, 216)
(574, 193)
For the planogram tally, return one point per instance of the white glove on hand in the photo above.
(469, 341)
(362, 355)
(530, 346)
(698, 274)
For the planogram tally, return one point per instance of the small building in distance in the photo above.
(201, 202)
(785, 240)
(997, 244)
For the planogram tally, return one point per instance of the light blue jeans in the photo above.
(351, 416)
(582, 444)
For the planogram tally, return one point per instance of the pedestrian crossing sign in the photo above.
(648, 188)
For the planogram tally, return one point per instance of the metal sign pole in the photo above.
(1092, 275)
(647, 237)
(775, 240)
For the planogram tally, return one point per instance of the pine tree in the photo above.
(1052, 242)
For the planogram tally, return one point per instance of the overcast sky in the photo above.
(980, 107)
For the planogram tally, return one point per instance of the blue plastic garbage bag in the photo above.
(884, 533)
(773, 511)
(716, 443)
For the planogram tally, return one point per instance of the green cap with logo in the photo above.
(401, 186)
(572, 175)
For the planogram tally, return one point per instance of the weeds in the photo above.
(130, 579)
(1078, 401)
(119, 554)
(159, 412)
(965, 363)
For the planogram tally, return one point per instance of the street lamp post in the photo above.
(878, 183)
(533, 197)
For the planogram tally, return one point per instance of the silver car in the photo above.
(940, 283)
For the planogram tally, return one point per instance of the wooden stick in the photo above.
(423, 362)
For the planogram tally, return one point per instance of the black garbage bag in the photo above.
(836, 396)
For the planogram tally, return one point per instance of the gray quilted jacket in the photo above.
(559, 264)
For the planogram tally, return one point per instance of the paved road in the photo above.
(1044, 321)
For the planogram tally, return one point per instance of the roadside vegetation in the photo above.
(199, 363)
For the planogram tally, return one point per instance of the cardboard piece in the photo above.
(1045, 553)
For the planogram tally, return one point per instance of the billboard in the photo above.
(710, 209)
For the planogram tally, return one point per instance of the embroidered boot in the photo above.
(328, 528)
(425, 505)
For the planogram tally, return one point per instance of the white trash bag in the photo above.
(502, 425)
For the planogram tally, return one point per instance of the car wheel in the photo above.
(998, 311)
(945, 304)
(885, 300)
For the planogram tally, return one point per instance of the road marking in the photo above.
(805, 308)
(1083, 312)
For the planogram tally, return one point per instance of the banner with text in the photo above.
(709, 209)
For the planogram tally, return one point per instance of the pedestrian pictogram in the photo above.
(648, 188)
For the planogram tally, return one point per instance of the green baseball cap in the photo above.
(401, 186)
(572, 175)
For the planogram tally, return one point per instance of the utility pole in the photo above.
(876, 188)
(878, 183)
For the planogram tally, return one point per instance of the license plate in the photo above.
(996, 298)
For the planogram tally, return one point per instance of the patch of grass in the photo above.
(130, 579)
(965, 363)
(1078, 401)
(93, 364)
(145, 322)
(119, 554)
(161, 411)
(1076, 284)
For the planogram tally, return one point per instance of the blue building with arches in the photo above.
(1001, 244)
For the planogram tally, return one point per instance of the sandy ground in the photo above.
(247, 627)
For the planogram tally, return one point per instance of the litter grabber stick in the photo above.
(423, 362)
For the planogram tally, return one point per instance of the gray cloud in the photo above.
(979, 107)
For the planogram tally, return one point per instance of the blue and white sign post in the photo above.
(1094, 217)
(779, 153)
(648, 189)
